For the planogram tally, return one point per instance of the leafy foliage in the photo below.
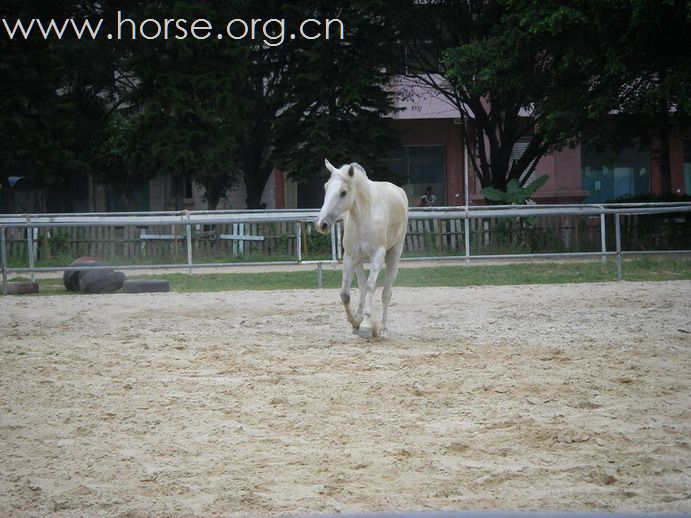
(221, 111)
(514, 194)
(338, 96)
(623, 57)
(517, 195)
(56, 97)
(461, 50)
(185, 120)
(569, 65)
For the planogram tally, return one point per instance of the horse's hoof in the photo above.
(364, 332)
(356, 330)
(383, 333)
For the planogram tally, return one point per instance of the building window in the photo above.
(189, 189)
(609, 176)
(421, 167)
(517, 151)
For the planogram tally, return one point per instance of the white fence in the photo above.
(452, 226)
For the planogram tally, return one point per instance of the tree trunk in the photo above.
(179, 191)
(213, 197)
(255, 173)
(254, 184)
(212, 203)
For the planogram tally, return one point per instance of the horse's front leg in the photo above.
(362, 290)
(348, 268)
(368, 327)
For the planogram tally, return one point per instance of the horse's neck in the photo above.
(364, 198)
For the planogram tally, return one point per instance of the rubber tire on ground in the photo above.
(21, 287)
(146, 286)
(100, 281)
(70, 279)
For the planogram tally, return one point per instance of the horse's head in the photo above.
(338, 195)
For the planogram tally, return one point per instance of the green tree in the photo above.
(218, 111)
(338, 92)
(260, 97)
(308, 99)
(550, 74)
(621, 68)
(185, 121)
(57, 95)
(459, 50)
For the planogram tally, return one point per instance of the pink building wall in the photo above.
(564, 171)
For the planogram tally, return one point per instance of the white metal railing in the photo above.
(188, 219)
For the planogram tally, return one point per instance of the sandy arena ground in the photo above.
(570, 397)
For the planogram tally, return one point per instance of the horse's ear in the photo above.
(328, 165)
(351, 170)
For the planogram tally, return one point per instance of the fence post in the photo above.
(298, 242)
(3, 253)
(603, 235)
(320, 281)
(466, 235)
(188, 235)
(30, 247)
(617, 233)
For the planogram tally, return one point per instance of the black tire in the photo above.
(146, 286)
(70, 279)
(100, 281)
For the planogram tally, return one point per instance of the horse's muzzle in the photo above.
(323, 226)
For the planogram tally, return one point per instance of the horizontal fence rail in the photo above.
(172, 240)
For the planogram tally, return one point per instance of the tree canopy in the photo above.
(568, 66)
(338, 93)
(311, 99)
(612, 59)
(216, 111)
(55, 98)
(527, 76)
(183, 116)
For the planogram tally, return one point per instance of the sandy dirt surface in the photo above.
(570, 397)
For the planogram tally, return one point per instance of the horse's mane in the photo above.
(360, 173)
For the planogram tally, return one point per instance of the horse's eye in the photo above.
(343, 193)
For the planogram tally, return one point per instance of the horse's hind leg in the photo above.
(392, 258)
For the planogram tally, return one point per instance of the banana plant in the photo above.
(514, 194)
(522, 234)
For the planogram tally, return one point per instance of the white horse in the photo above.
(375, 221)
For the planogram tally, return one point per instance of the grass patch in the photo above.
(638, 269)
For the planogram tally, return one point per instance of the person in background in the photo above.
(428, 199)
